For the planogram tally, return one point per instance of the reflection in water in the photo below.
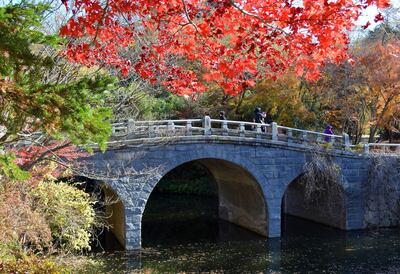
(183, 234)
(179, 219)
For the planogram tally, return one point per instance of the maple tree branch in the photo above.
(257, 17)
(48, 151)
(188, 17)
(100, 21)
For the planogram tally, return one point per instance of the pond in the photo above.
(182, 234)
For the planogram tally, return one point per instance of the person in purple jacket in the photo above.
(328, 130)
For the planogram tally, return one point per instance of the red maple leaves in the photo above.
(36, 158)
(189, 43)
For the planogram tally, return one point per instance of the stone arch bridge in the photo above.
(255, 166)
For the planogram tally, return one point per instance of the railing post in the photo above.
(366, 148)
(332, 141)
(274, 128)
(189, 128)
(241, 130)
(131, 126)
(289, 136)
(150, 129)
(258, 131)
(346, 141)
(171, 127)
(207, 125)
(225, 128)
(304, 137)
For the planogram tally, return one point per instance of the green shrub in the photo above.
(358, 147)
(13, 259)
(68, 211)
(326, 146)
(40, 219)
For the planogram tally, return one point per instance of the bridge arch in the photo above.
(240, 196)
(109, 202)
(115, 213)
(323, 203)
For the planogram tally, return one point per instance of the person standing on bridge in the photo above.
(328, 130)
(259, 117)
(222, 115)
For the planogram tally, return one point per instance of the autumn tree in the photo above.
(381, 64)
(226, 42)
(342, 99)
(286, 101)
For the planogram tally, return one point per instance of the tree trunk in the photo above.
(372, 132)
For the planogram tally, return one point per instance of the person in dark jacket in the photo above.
(328, 130)
(222, 115)
(259, 117)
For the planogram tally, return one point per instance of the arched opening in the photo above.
(214, 193)
(320, 202)
(110, 209)
(115, 214)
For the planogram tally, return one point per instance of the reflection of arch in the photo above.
(241, 198)
(323, 207)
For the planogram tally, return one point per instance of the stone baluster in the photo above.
(130, 129)
(346, 141)
(290, 135)
(304, 137)
(225, 128)
(170, 127)
(131, 126)
(189, 128)
(366, 148)
(274, 131)
(150, 130)
(332, 141)
(258, 131)
(207, 125)
(241, 130)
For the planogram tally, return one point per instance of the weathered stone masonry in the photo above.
(252, 179)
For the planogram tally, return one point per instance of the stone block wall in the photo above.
(266, 167)
(382, 189)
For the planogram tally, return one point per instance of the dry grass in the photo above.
(321, 181)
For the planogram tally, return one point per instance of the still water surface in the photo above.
(183, 234)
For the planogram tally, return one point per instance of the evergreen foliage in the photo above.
(29, 100)
(40, 91)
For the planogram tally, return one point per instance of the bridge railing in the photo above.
(274, 132)
(299, 136)
(237, 129)
(159, 128)
(131, 129)
(382, 148)
(188, 127)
